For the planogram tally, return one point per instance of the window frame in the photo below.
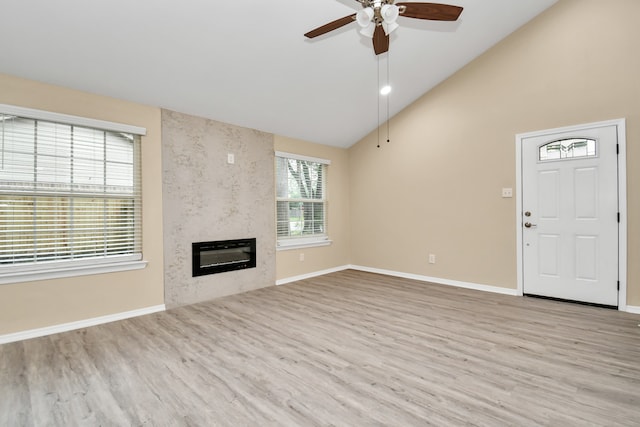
(45, 270)
(287, 243)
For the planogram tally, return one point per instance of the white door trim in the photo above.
(622, 199)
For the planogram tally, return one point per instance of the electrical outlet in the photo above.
(507, 192)
(432, 259)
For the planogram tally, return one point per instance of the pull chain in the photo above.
(388, 95)
(378, 95)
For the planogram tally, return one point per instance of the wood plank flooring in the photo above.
(345, 349)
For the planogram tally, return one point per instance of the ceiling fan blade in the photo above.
(432, 11)
(333, 25)
(380, 40)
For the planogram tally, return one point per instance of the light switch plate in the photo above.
(231, 159)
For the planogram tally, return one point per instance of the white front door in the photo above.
(570, 215)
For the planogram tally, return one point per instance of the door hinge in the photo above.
(618, 284)
(618, 216)
(617, 148)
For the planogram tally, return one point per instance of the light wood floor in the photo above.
(346, 349)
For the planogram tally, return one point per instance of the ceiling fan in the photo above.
(377, 19)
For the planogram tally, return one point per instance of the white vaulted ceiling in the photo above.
(246, 62)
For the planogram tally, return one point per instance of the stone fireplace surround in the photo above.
(205, 198)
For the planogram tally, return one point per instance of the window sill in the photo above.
(285, 245)
(69, 271)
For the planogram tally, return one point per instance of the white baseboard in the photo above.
(632, 309)
(448, 282)
(459, 284)
(64, 327)
(310, 275)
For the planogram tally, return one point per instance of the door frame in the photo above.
(620, 125)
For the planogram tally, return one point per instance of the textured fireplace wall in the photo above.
(205, 199)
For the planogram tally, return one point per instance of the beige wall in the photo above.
(288, 262)
(436, 187)
(32, 305)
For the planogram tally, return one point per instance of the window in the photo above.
(568, 149)
(301, 204)
(69, 194)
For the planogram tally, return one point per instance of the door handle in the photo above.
(529, 225)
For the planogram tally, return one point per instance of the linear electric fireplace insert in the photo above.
(223, 255)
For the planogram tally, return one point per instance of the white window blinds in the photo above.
(67, 192)
(300, 197)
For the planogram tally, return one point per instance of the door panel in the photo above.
(548, 194)
(586, 257)
(570, 237)
(549, 255)
(586, 193)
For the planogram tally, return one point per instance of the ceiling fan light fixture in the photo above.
(388, 28)
(368, 31)
(364, 17)
(390, 13)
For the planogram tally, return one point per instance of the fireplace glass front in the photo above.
(223, 255)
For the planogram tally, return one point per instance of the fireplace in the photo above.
(223, 255)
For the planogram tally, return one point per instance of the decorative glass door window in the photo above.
(568, 149)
